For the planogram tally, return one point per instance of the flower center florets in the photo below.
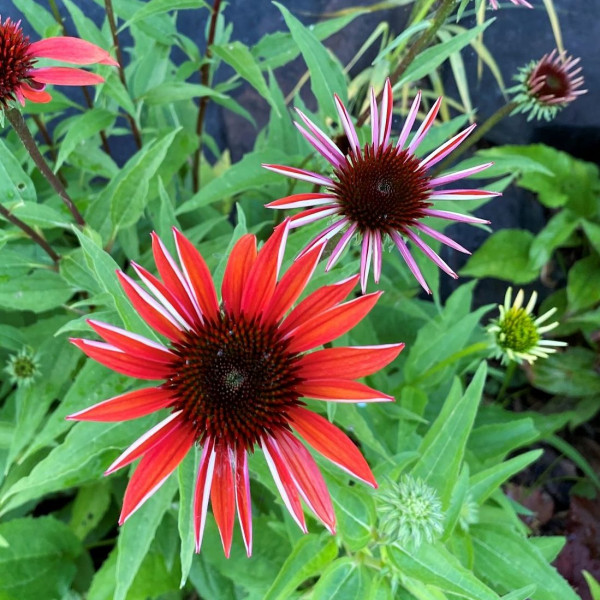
(235, 380)
(382, 188)
(518, 331)
(15, 61)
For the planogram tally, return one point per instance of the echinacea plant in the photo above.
(234, 376)
(380, 189)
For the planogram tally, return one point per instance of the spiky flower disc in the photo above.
(233, 376)
(23, 367)
(20, 79)
(548, 85)
(518, 334)
(380, 190)
(410, 512)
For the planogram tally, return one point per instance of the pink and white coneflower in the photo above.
(21, 80)
(494, 3)
(232, 377)
(380, 189)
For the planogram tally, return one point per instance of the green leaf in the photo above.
(175, 91)
(310, 556)
(583, 286)
(521, 594)
(326, 74)
(549, 545)
(509, 561)
(504, 255)
(556, 232)
(40, 215)
(90, 505)
(81, 128)
(592, 230)
(157, 7)
(432, 58)
(343, 580)
(15, 185)
(355, 511)
(186, 475)
(435, 566)
(37, 17)
(442, 449)
(137, 534)
(484, 483)
(38, 291)
(593, 585)
(244, 175)
(570, 373)
(495, 441)
(238, 56)
(37, 559)
(129, 196)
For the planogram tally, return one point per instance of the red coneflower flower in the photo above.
(381, 189)
(233, 378)
(20, 80)
(548, 85)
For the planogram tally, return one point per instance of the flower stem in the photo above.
(36, 237)
(204, 80)
(508, 375)
(500, 114)
(442, 13)
(18, 123)
(110, 15)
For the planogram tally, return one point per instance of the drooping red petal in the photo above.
(150, 310)
(262, 278)
(284, 481)
(71, 49)
(242, 494)
(331, 442)
(155, 467)
(202, 491)
(146, 442)
(330, 324)
(307, 477)
(242, 257)
(135, 345)
(119, 361)
(317, 302)
(347, 363)
(41, 97)
(172, 277)
(197, 275)
(126, 406)
(292, 284)
(222, 496)
(64, 76)
(341, 390)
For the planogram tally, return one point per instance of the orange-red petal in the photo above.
(197, 275)
(157, 464)
(262, 278)
(331, 442)
(242, 493)
(347, 363)
(222, 496)
(330, 324)
(307, 477)
(126, 406)
(341, 390)
(202, 491)
(242, 257)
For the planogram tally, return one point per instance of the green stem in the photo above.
(20, 126)
(110, 15)
(508, 375)
(204, 80)
(500, 114)
(38, 239)
(420, 44)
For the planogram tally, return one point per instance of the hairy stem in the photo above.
(110, 15)
(419, 45)
(204, 79)
(18, 123)
(36, 237)
(500, 114)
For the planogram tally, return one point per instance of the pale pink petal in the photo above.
(302, 201)
(425, 126)
(365, 260)
(387, 103)
(446, 148)
(440, 237)
(462, 194)
(374, 121)
(377, 252)
(71, 49)
(299, 174)
(347, 125)
(314, 214)
(410, 119)
(452, 216)
(450, 177)
(332, 152)
(340, 246)
(417, 241)
(409, 260)
(64, 76)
